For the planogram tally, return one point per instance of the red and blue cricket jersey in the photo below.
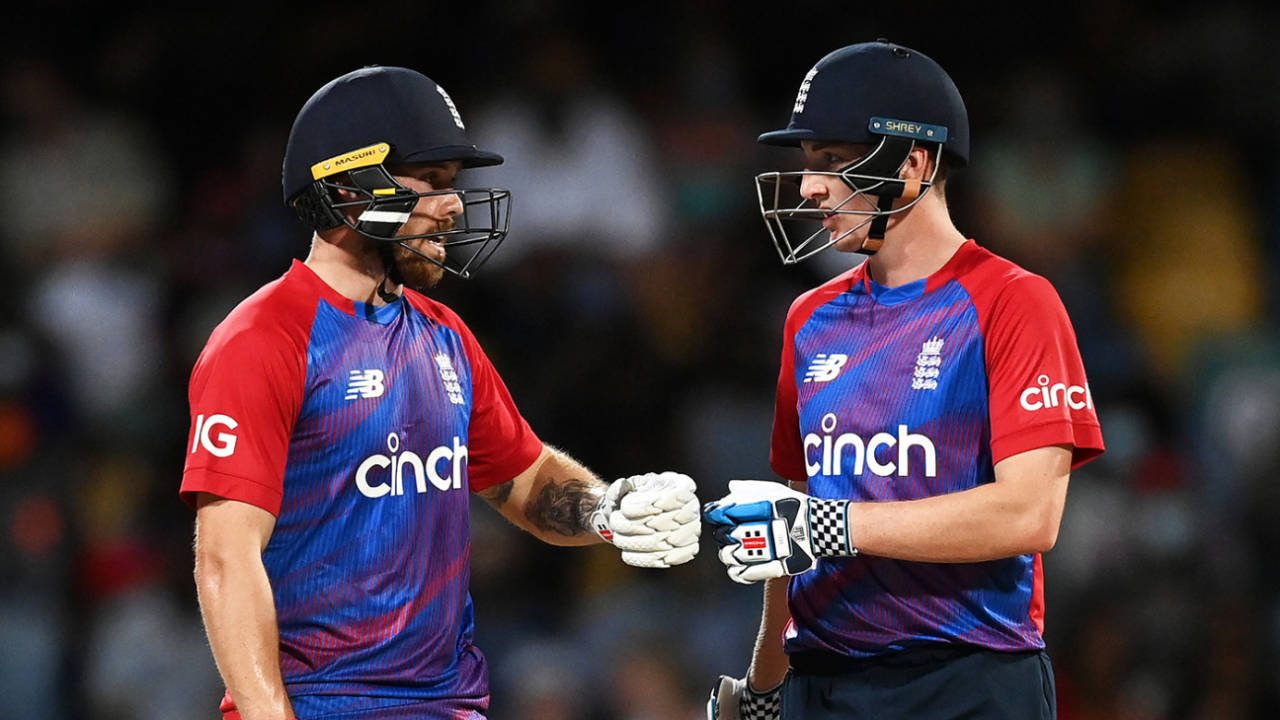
(910, 392)
(362, 429)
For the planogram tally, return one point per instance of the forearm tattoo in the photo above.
(564, 506)
(498, 494)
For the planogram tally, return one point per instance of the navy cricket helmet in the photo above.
(878, 94)
(351, 130)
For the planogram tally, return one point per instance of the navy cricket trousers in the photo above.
(942, 682)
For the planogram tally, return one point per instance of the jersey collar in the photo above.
(893, 296)
(381, 315)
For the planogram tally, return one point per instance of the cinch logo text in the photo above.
(223, 445)
(382, 475)
(1045, 395)
(833, 448)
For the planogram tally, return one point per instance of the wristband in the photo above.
(829, 528)
(765, 705)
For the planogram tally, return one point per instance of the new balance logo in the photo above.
(825, 368)
(365, 384)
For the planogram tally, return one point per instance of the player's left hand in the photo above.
(733, 699)
(767, 530)
(652, 518)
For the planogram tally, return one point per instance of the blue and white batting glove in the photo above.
(652, 518)
(767, 530)
(733, 699)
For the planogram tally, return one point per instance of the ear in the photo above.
(343, 195)
(919, 164)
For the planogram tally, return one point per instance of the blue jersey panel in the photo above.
(893, 405)
(371, 552)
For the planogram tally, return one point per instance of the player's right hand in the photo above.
(767, 530)
(652, 518)
(762, 529)
(733, 699)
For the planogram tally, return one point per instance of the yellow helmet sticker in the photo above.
(364, 157)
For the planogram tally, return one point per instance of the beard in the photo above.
(416, 271)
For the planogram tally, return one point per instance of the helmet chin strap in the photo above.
(880, 223)
(910, 190)
(391, 273)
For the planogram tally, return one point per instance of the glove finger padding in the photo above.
(665, 521)
(652, 518)
(652, 498)
(681, 536)
(660, 559)
(642, 543)
(671, 480)
(623, 526)
(723, 703)
(755, 573)
(685, 535)
(657, 524)
(681, 555)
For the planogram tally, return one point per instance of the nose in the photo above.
(447, 205)
(812, 187)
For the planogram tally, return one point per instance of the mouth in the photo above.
(426, 249)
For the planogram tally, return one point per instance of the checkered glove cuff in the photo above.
(829, 528)
(760, 706)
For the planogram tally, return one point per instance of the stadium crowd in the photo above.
(635, 313)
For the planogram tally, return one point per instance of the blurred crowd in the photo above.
(1125, 151)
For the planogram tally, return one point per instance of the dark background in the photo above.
(1123, 150)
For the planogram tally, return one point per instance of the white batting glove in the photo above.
(733, 699)
(652, 518)
(767, 530)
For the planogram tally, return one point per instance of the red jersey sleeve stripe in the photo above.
(198, 480)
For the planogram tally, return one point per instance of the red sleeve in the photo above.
(246, 393)
(500, 443)
(1039, 395)
(785, 453)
